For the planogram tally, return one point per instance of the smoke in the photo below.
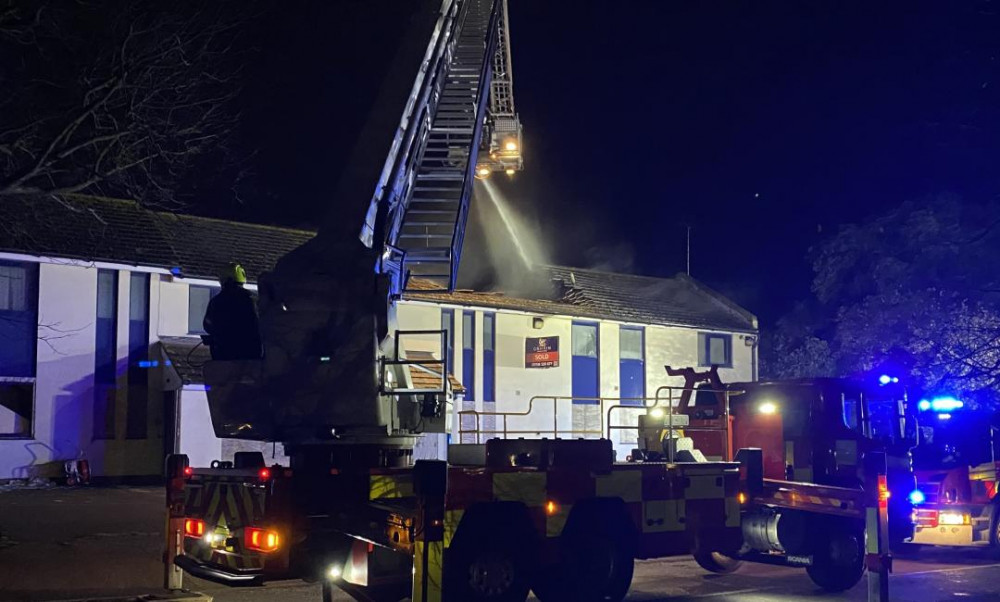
(503, 249)
(618, 258)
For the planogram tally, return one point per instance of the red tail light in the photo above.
(194, 527)
(264, 474)
(262, 540)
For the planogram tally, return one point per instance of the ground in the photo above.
(72, 544)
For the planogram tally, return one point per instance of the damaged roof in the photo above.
(116, 231)
(677, 301)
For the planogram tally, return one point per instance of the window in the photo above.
(138, 356)
(448, 326)
(715, 350)
(469, 353)
(586, 370)
(489, 357)
(105, 354)
(18, 318)
(198, 298)
(18, 343)
(631, 365)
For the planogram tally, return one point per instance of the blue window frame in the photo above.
(632, 364)
(18, 318)
(448, 326)
(715, 349)
(138, 357)
(105, 354)
(489, 357)
(469, 353)
(18, 346)
(586, 363)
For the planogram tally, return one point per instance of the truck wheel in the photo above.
(715, 562)
(841, 564)
(490, 570)
(596, 567)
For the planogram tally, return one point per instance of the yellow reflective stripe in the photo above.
(663, 515)
(732, 512)
(625, 484)
(451, 520)
(390, 486)
(433, 578)
(704, 487)
(871, 526)
(526, 487)
(554, 523)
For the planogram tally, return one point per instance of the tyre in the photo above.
(715, 562)
(840, 563)
(491, 569)
(597, 566)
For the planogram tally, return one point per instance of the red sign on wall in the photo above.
(541, 352)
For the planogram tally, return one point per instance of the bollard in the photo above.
(878, 558)
(173, 576)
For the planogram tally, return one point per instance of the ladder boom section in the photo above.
(417, 216)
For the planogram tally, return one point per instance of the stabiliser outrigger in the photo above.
(555, 516)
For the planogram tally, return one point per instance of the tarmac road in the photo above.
(72, 544)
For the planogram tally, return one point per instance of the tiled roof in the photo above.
(680, 300)
(99, 229)
(429, 376)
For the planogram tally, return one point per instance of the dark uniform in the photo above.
(231, 323)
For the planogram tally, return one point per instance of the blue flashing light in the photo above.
(916, 497)
(149, 363)
(924, 405)
(946, 404)
(176, 271)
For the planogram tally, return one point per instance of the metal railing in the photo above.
(667, 397)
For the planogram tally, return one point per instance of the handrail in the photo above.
(607, 427)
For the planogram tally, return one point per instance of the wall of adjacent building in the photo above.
(63, 417)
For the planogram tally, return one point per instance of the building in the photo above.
(101, 305)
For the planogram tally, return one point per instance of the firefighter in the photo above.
(231, 319)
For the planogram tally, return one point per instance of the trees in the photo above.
(912, 291)
(121, 98)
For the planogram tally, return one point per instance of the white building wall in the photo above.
(64, 381)
(517, 385)
(64, 396)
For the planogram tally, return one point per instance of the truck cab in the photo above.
(818, 430)
(957, 469)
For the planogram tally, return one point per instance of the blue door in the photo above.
(631, 365)
(586, 368)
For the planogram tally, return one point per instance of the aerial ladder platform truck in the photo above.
(559, 517)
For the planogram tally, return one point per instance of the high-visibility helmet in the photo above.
(234, 272)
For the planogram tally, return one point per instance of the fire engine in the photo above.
(957, 469)
(813, 430)
(559, 517)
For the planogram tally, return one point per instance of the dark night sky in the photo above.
(754, 122)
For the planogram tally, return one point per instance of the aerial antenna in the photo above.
(689, 250)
